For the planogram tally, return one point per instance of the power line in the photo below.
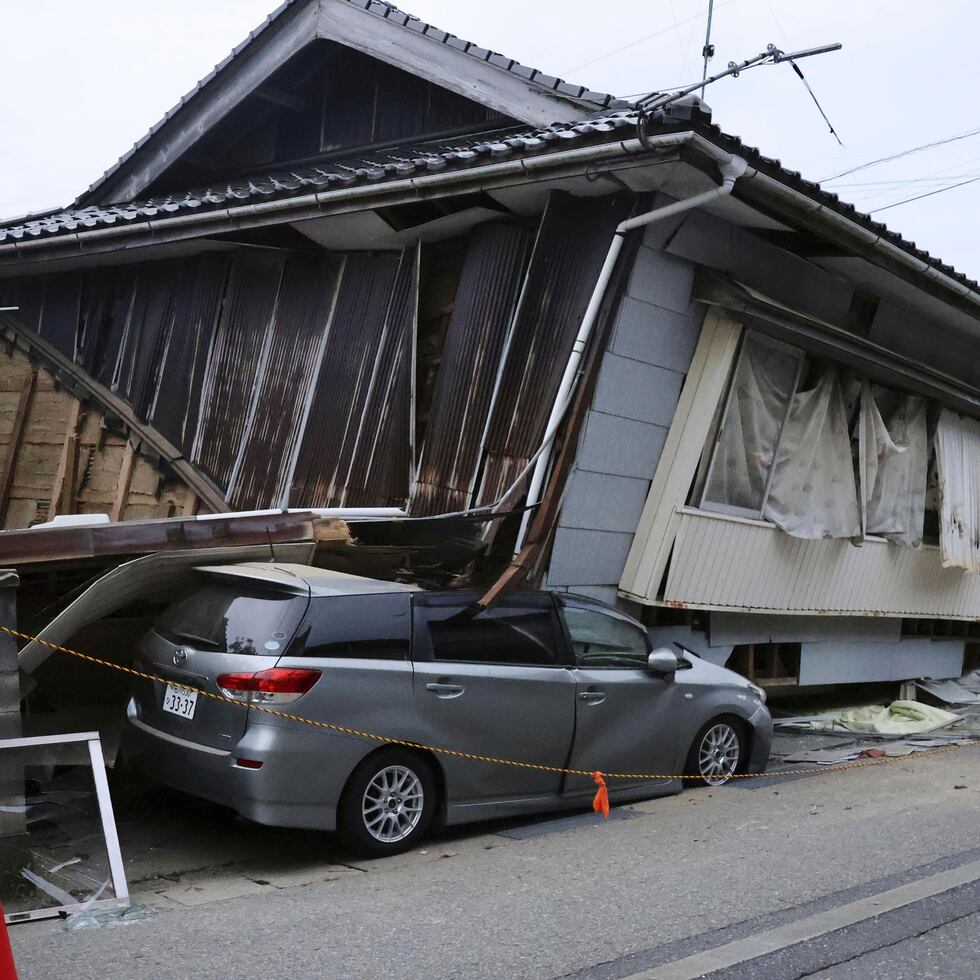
(919, 197)
(903, 153)
(646, 37)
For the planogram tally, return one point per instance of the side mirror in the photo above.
(662, 662)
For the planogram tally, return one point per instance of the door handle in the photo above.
(445, 690)
(592, 697)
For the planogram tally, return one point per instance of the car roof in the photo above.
(304, 579)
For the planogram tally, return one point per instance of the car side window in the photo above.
(363, 627)
(602, 640)
(504, 634)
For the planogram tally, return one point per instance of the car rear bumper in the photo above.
(298, 785)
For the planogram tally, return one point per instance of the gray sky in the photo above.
(84, 80)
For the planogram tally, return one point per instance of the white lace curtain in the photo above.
(958, 465)
(788, 455)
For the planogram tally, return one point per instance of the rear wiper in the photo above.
(198, 641)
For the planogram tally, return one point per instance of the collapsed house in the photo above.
(350, 271)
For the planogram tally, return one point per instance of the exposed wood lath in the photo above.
(57, 456)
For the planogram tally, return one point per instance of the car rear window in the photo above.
(362, 627)
(233, 618)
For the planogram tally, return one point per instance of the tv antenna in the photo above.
(708, 51)
(771, 56)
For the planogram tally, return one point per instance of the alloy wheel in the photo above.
(392, 804)
(718, 754)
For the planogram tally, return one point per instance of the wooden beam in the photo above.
(63, 491)
(124, 482)
(37, 346)
(279, 97)
(13, 442)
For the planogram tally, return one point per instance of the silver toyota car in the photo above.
(551, 679)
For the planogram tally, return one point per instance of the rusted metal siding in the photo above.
(383, 459)
(241, 341)
(470, 363)
(571, 245)
(721, 562)
(343, 384)
(308, 290)
(185, 346)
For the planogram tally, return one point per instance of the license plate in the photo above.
(180, 701)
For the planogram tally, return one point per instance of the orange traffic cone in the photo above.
(7, 969)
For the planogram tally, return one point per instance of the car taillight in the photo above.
(278, 685)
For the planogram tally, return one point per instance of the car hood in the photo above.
(703, 672)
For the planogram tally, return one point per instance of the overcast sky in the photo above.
(84, 80)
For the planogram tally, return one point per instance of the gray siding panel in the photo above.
(636, 390)
(656, 336)
(852, 663)
(602, 502)
(588, 557)
(663, 280)
(623, 447)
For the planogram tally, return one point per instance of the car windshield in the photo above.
(233, 618)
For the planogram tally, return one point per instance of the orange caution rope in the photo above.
(601, 801)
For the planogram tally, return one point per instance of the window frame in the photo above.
(587, 605)
(711, 451)
(422, 651)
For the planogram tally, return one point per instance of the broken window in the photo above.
(820, 454)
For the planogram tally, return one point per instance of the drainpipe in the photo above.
(732, 167)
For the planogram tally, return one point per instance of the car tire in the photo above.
(717, 752)
(388, 803)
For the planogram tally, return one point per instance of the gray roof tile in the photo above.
(409, 159)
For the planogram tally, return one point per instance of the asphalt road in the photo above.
(710, 871)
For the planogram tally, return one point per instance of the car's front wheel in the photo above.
(388, 803)
(716, 752)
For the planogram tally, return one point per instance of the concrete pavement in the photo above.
(677, 876)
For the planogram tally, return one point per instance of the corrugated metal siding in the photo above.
(572, 242)
(309, 286)
(382, 462)
(184, 348)
(720, 562)
(482, 313)
(234, 366)
(344, 381)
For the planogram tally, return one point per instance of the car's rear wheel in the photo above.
(716, 752)
(388, 803)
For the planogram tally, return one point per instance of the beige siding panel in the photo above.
(703, 387)
(722, 562)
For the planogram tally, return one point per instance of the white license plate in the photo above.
(180, 701)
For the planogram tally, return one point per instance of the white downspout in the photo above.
(732, 168)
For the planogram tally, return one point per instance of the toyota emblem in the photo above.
(180, 656)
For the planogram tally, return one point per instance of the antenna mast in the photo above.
(708, 50)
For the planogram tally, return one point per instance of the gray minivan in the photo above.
(557, 680)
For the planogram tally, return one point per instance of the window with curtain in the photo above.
(819, 453)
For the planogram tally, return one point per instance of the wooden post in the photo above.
(13, 443)
(124, 482)
(63, 491)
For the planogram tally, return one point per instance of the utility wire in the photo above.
(919, 197)
(646, 37)
(830, 125)
(903, 153)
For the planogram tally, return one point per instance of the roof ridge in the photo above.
(388, 11)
